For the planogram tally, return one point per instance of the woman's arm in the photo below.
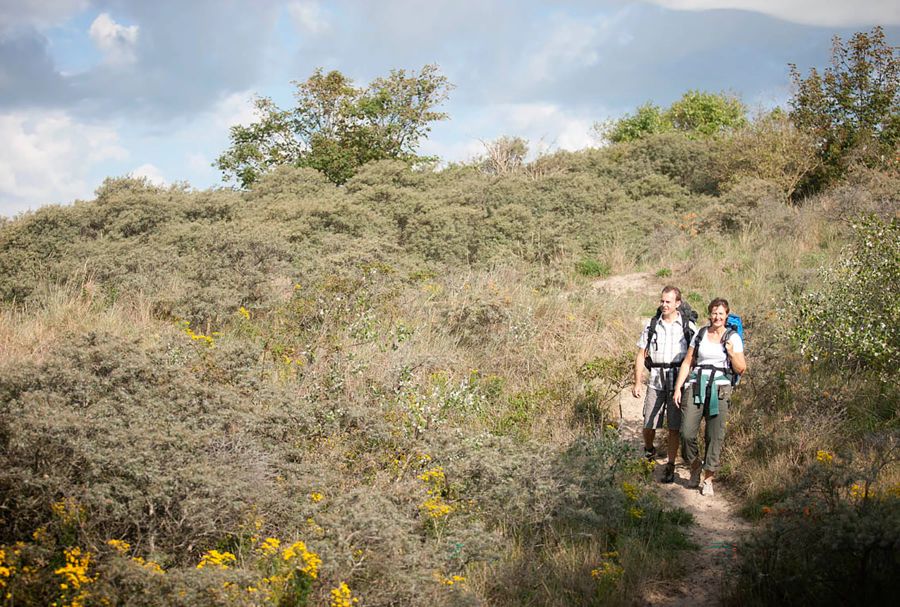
(738, 362)
(683, 372)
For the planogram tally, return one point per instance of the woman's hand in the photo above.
(737, 360)
(676, 397)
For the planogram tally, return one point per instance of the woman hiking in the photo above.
(712, 362)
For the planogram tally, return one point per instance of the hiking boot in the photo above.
(695, 475)
(668, 473)
(650, 453)
(706, 488)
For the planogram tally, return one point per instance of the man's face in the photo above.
(668, 303)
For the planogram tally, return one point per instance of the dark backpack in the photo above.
(687, 317)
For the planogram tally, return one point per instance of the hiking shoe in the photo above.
(695, 475)
(668, 473)
(650, 453)
(706, 488)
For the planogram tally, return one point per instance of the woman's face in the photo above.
(718, 316)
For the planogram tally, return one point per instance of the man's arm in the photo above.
(638, 373)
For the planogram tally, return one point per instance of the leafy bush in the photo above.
(591, 267)
(853, 320)
(832, 541)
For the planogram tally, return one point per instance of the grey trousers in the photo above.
(714, 434)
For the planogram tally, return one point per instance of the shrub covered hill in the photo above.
(401, 390)
(406, 384)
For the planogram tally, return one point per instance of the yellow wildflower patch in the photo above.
(298, 553)
(631, 492)
(342, 597)
(436, 507)
(826, 457)
(214, 558)
(269, 546)
(75, 571)
(121, 546)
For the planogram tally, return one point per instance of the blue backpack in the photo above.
(734, 323)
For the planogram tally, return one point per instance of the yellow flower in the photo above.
(151, 566)
(436, 507)
(75, 571)
(825, 457)
(857, 491)
(457, 580)
(316, 497)
(5, 571)
(609, 570)
(214, 558)
(631, 492)
(342, 597)
(435, 476)
(311, 560)
(67, 510)
(121, 546)
(636, 513)
(269, 546)
(244, 312)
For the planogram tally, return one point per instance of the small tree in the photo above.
(504, 155)
(648, 119)
(336, 127)
(697, 114)
(702, 114)
(853, 108)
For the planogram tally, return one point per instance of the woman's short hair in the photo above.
(717, 302)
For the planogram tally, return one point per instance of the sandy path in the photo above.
(716, 530)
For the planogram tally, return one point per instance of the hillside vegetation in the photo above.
(402, 389)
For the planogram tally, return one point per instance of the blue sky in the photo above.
(102, 88)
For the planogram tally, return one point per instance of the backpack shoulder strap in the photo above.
(686, 327)
(651, 329)
(701, 335)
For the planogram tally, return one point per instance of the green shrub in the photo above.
(588, 266)
(832, 541)
(852, 321)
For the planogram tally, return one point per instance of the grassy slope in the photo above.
(404, 323)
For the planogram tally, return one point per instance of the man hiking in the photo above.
(661, 348)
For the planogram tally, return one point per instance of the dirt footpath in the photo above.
(716, 530)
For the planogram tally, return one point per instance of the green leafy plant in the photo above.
(336, 127)
(591, 267)
(852, 109)
(853, 319)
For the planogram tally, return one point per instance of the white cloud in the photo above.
(460, 151)
(151, 173)
(546, 123)
(309, 17)
(116, 42)
(547, 128)
(47, 157)
(833, 13)
(233, 109)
